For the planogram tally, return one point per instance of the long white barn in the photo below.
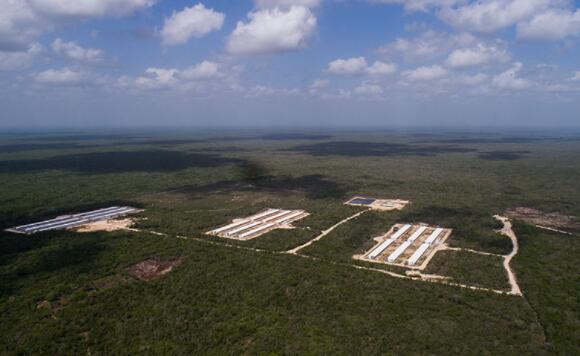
(258, 224)
(74, 220)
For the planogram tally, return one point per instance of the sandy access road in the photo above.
(509, 232)
(419, 277)
(294, 251)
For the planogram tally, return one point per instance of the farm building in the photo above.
(258, 224)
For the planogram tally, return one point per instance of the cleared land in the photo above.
(106, 225)
(68, 293)
(555, 221)
(378, 204)
(152, 268)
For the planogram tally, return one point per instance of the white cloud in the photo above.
(381, 68)
(368, 89)
(535, 19)
(561, 88)
(19, 25)
(269, 4)
(19, 60)
(469, 80)
(203, 71)
(492, 15)
(481, 54)
(61, 77)
(264, 90)
(425, 73)
(551, 25)
(89, 8)
(192, 22)
(348, 66)
(272, 30)
(202, 75)
(421, 5)
(510, 79)
(319, 84)
(427, 45)
(576, 77)
(156, 78)
(72, 50)
(22, 21)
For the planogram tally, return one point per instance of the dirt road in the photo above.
(324, 233)
(509, 232)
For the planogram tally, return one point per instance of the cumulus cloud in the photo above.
(19, 25)
(359, 65)
(552, 25)
(19, 60)
(469, 80)
(154, 78)
(348, 66)
(265, 90)
(61, 77)
(421, 5)
(510, 79)
(203, 71)
(425, 73)
(381, 68)
(73, 51)
(576, 77)
(319, 84)
(192, 22)
(535, 19)
(89, 8)
(272, 30)
(427, 45)
(269, 4)
(481, 54)
(22, 21)
(491, 15)
(368, 89)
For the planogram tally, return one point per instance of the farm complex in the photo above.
(407, 245)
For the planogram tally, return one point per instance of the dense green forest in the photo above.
(70, 293)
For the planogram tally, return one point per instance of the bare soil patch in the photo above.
(106, 225)
(152, 268)
(537, 217)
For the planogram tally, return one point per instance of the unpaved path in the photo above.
(509, 232)
(554, 230)
(420, 277)
(324, 233)
(472, 251)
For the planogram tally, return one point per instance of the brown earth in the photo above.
(537, 217)
(152, 268)
(106, 225)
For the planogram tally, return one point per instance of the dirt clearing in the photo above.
(152, 268)
(539, 218)
(378, 204)
(106, 225)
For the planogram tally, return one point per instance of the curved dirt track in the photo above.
(324, 233)
(509, 232)
(506, 230)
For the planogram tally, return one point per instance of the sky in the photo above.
(289, 63)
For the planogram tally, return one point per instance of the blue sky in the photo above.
(289, 63)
